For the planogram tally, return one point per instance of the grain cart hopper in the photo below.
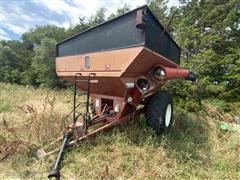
(120, 63)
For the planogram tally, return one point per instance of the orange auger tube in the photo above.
(178, 73)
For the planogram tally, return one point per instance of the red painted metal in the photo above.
(175, 73)
(122, 79)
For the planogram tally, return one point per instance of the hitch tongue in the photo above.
(55, 172)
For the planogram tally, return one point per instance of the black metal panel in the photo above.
(174, 52)
(159, 41)
(121, 32)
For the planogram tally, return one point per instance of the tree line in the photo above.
(208, 32)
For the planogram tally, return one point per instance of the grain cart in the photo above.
(121, 64)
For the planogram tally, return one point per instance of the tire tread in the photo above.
(156, 108)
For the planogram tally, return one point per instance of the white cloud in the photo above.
(87, 8)
(4, 35)
(59, 6)
(173, 3)
(66, 25)
(15, 28)
(91, 6)
(63, 8)
(18, 16)
(21, 16)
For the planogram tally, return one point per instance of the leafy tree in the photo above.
(120, 11)
(15, 59)
(207, 31)
(81, 26)
(9, 66)
(31, 61)
(209, 35)
(85, 24)
(43, 63)
(33, 37)
(159, 8)
(98, 18)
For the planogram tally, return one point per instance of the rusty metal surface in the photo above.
(115, 63)
(107, 63)
(144, 61)
(116, 75)
(113, 69)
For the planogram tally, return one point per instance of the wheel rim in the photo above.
(168, 115)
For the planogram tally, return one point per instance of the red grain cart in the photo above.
(121, 64)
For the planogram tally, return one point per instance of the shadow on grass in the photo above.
(188, 139)
(188, 145)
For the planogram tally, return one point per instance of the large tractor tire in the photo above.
(159, 112)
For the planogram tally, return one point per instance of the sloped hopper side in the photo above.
(119, 75)
(113, 69)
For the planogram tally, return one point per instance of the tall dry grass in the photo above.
(195, 148)
(32, 122)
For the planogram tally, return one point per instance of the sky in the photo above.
(18, 16)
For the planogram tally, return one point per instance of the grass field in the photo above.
(194, 149)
